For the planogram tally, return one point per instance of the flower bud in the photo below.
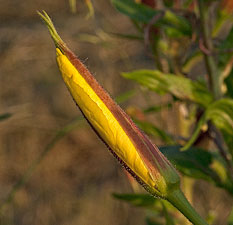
(127, 143)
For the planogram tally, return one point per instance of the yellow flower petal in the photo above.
(102, 119)
(127, 143)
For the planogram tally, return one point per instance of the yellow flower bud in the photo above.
(128, 144)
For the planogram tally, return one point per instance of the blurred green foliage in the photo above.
(180, 38)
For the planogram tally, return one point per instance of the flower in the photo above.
(128, 144)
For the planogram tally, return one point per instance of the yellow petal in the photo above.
(102, 119)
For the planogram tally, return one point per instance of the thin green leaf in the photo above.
(178, 25)
(155, 131)
(224, 47)
(91, 11)
(73, 6)
(194, 162)
(139, 200)
(227, 43)
(169, 219)
(229, 84)
(220, 113)
(150, 221)
(33, 166)
(195, 134)
(157, 108)
(135, 11)
(128, 36)
(5, 116)
(230, 218)
(145, 14)
(125, 96)
(193, 58)
(229, 141)
(180, 87)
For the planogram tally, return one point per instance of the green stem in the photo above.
(177, 199)
(215, 83)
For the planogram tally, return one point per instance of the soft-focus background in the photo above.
(75, 181)
(73, 184)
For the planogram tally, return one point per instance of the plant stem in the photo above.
(177, 199)
(218, 140)
(214, 75)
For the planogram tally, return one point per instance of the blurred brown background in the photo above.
(74, 183)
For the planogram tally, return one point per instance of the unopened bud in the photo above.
(127, 143)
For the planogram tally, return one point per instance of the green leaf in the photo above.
(225, 45)
(220, 113)
(5, 116)
(181, 87)
(73, 6)
(169, 219)
(125, 96)
(168, 3)
(149, 221)
(139, 200)
(176, 25)
(229, 83)
(142, 13)
(230, 218)
(193, 58)
(155, 131)
(194, 162)
(138, 12)
(157, 108)
(229, 141)
(127, 36)
(195, 134)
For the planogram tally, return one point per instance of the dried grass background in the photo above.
(74, 183)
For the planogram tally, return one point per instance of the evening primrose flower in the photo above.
(126, 142)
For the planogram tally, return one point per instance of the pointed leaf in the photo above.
(229, 141)
(169, 219)
(5, 116)
(155, 131)
(221, 113)
(125, 96)
(139, 200)
(227, 43)
(149, 221)
(176, 24)
(127, 36)
(158, 108)
(194, 162)
(145, 14)
(181, 87)
(229, 84)
(138, 12)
